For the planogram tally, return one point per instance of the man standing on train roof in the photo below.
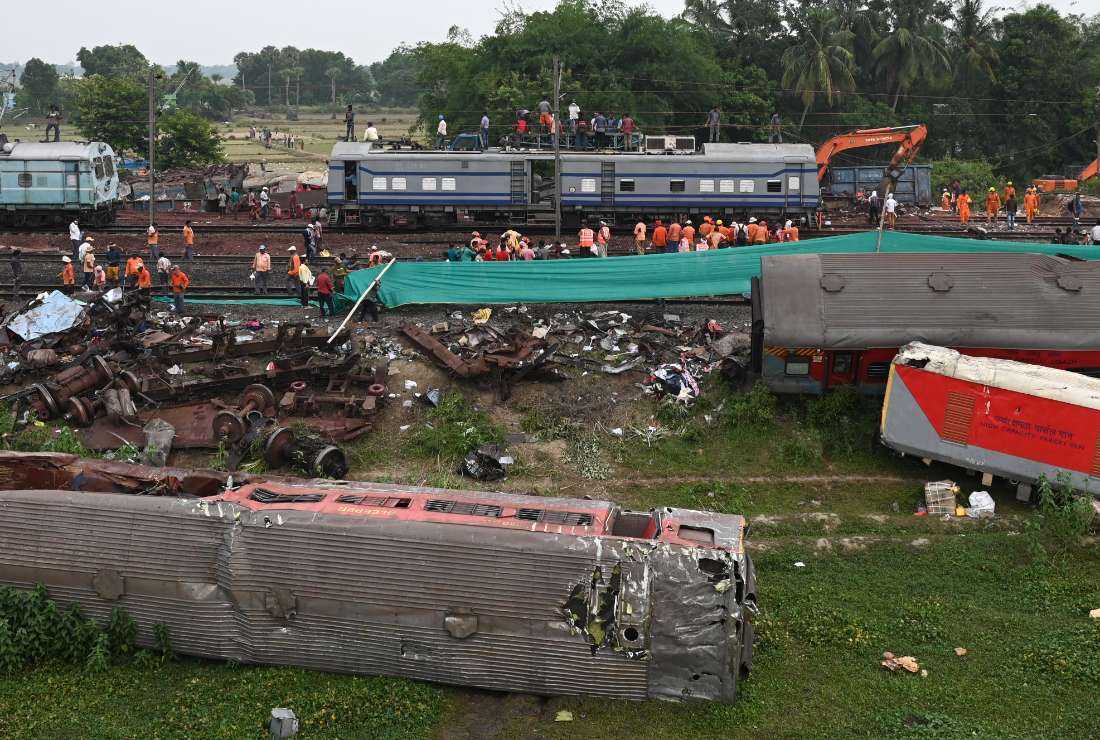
(53, 121)
(349, 124)
(545, 117)
(777, 129)
(440, 132)
(371, 134)
(714, 120)
(74, 236)
(627, 127)
(574, 116)
(484, 130)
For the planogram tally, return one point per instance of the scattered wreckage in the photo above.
(503, 592)
(122, 373)
(998, 417)
(673, 354)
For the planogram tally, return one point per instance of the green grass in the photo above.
(318, 130)
(191, 698)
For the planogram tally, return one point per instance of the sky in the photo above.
(211, 32)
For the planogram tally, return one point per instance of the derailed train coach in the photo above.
(823, 321)
(43, 184)
(504, 592)
(996, 417)
(371, 185)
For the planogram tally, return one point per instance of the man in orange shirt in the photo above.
(179, 282)
(689, 232)
(153, 240)
(673, 236)
(132, 264)
(660, 237)
(1031, 204)
(144, 282)
(1010, 192)
(586, 238)
(639, 237)
(752, 228)
(963, 203)
(293, 265)
(761, 232)
(706, 227)
(67, 274)
(727, 232)
(992, 205)
(188, 241)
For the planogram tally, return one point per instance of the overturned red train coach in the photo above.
(998, 417)
(497, 591)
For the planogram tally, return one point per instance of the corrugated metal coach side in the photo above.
(50, 183)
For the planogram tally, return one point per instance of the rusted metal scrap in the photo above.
(503, 592)
(518, 354)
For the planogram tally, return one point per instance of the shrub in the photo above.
(454, 427)
(755, 409)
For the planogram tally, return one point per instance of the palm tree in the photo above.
(821, 61)
(972, 38)
(332, 73)
(910, 50)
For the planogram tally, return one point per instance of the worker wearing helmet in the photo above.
(945, 200)
(963, 204)
(1010, 191)
(992, 205)
(1031, 204)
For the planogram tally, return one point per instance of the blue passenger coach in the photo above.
(43, 184)
(376, 186)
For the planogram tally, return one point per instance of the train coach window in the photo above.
(626, 186)
(747, 186)
(842, 363)
(448, 183)
(677, 186)
(427, 183)
(727, 186)
(97, 163)
(109, 166)
(378, 183)
(878, 370)
(26, 179)
(794, 182)
(588, 185)
(706, 186)
(397, 183)
(775, 186)
(797, 366)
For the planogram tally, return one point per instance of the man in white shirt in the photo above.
(1096, 232)
(372, 132)
(164, 269)
(264, 200)
(484, 130)
(83, 249)
(891, 210)
(74, 237)
(440, 132)
(574, 116)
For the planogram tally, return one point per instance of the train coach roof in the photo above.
(54, 150)
(1033, 380)
(854, 301)
(761, 152)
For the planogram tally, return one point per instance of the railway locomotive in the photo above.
(49, 184)
(372, 185)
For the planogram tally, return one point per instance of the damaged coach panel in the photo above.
(999, 417)
(505, 592)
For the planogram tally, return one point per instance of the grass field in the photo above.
(818, 490)
(319, 131)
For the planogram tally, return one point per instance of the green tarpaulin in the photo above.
(721, 272)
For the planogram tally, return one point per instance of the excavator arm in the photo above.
(1089, 172)
(908, 138)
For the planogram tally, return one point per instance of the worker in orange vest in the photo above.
(586, 240)
(673, 236)
(132, 264)
(963, 202)
(706, 227)
(1031, 204)
(294, 264)
(144, 280)
(179, 282)
(992, 205)
(67, 274)
(688, 232)
(945, 200)
(1010, 192)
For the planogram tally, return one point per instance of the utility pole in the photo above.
(269, 84)
(557, 150)
(152, 138)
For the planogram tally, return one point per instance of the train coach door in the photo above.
(70, 186)
(792, 183)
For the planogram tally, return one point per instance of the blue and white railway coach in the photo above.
(51, 183)
(378, 186)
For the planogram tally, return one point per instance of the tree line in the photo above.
(1015, 91)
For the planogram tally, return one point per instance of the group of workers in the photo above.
(301, 280)
(659, 238)
(956, 199)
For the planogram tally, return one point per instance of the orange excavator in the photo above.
(908, 138)
(1056, 184)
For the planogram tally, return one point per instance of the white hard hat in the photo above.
(752, 219)
(66, 259)
(292, 249)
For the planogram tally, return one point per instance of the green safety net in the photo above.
(711, 273)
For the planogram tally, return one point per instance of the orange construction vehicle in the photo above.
(908, 138)
(1056, 184)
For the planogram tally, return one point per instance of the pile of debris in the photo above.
(125, 373)
(673, 354)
